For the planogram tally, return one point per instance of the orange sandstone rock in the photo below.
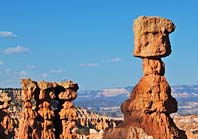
(6, 126)
(28, 88)
(150, 103)
(48, 111)
(151, 36)
(153, 66)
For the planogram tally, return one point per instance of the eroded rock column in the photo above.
(147, 111)
(6, 125)
(48, 110)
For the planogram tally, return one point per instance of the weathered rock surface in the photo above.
(127, 133)
(153, 66)
(189, 123)
(151, 94)
(91, 126)
(88, 121)
(6, 126)
(48, 111)
(151, 36)
(150, 103)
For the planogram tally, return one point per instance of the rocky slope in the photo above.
(188, 123)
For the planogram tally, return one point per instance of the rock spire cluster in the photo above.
(150, 104)
(6, 126)
(48, 111)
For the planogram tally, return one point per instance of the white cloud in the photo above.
(7, 34)
(44, 75)
(15, 50)
(1, 62)
(114, 60)
(89, 65)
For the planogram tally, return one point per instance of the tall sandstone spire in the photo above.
(147, 111)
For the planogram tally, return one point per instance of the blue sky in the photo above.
(90, 41)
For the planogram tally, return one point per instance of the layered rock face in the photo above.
(48, 110)
(91, 125)
(150, 103)
(6, 126)
(188, 123)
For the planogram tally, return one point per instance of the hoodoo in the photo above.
(147, 111)
(6, 125)
(48, 111)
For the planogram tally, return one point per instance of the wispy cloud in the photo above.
(1, 62)
(7, 34)
(114, 60)
(31, 67)
(16, 50)
(56, 71)
(89, 65)
(50, 72)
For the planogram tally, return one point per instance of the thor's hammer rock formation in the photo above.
(147, 111)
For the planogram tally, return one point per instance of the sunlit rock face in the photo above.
(151, 36)
(6, 126)
(48, 111)
(150, 103)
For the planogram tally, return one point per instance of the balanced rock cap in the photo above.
(151, 36)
